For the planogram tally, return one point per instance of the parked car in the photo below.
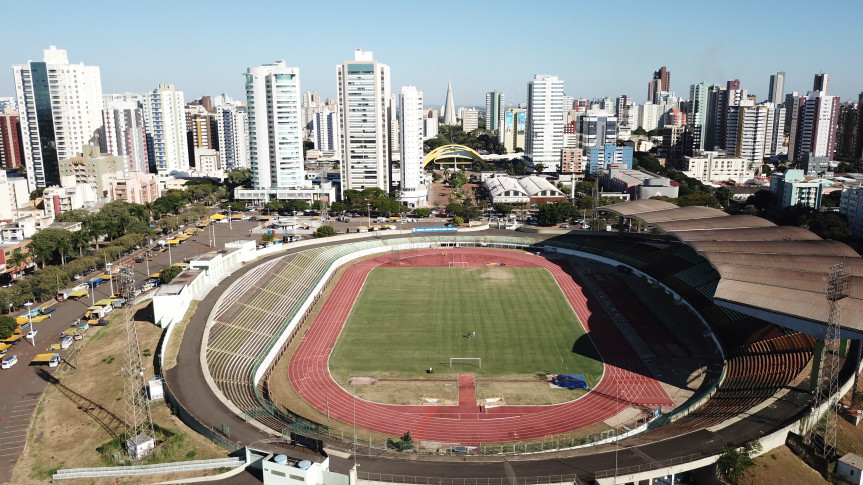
(32, 334)
(8, 361)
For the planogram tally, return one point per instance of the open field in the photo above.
(83, 408)
(408, 319)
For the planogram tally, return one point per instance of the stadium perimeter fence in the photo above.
(298, 424)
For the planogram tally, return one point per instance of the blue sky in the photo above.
(598, 48)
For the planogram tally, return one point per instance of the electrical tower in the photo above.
(827, 390)
(139, 422)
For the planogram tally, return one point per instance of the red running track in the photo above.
(467, 423)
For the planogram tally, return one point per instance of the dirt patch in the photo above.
(83, 409)
(529, 393)
(173, 347)
(407, 392)
(780, 465)
(362, 380)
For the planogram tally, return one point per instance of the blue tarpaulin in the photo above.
(570, 381)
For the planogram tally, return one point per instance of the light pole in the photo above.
(170, 261)
(369, 213)
(30, 318)
(110, 276)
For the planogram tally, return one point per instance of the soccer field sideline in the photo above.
(516, 319)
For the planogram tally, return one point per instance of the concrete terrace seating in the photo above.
(257, 310)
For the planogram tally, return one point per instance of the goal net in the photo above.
(475, 361)
(458, 264)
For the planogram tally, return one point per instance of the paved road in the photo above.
(187, 383)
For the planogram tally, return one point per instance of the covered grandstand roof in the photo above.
(773, 272)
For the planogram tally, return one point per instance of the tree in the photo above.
(267, 237)
(239, 177)
(234, 206)
(539, 167)
(168, 274)
(324, 231)
(733, 462)
(421, 212)
(7, 326)
(457, 221)
(457, 181)
(406, 443)
(37, 193)
(504, 209)
(554, 213)
(339, 207)
(19, 258)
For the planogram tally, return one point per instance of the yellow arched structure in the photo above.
(452, 154)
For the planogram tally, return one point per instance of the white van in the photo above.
(8, 361)
(67, 342)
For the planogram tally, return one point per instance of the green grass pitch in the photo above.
(406, 320)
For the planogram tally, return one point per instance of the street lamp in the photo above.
(30, 318)
(170, 261)
(369, 209)
(108, 266)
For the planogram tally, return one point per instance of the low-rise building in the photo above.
(850, 467)
(637, 183)
(58, 200)
(572, 161)
(92, 166)
(711, 167)
(311, 191)
(851, 206)
(505, 190)
(791, 188)
(602, 157)
(138, 188)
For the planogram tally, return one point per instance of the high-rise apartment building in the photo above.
(661, 82)
(848, 130)
(718, 104)
(233, 135)
(469, 120)
(821, 83)
(275, 131)
(124, 130)
(10, 140)
(813, 126)
(364, 116)
(514, 129)
(60, 109)
(494, 113)
(749, 132)
(776, 90)
(699, 111)
(325, 132)
(165, 120)
(411, 146)
(777, 136)
(544, 137)
(202, 131)
(596, 130)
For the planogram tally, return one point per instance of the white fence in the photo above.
(161, 468)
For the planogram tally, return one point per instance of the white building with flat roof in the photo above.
(60, 110)
(710, 167)
(233, 128)
(413, 190)
(275, 135)
(365, 113)
(544, 137)
(165, 120)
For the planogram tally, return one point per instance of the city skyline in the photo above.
(178, 49)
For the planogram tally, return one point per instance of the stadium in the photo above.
(663, 397)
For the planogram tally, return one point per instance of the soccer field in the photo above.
(406, 320)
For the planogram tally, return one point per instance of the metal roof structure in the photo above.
(776, 273)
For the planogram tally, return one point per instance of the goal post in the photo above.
(458, 264)
(477, 361)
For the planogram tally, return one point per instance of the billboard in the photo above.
(508, 125)
(520, 124)
(434, 229)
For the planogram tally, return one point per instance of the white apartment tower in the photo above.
(275, 132)
(544, 138)
(124, 131)
(60, 107)
(233, 125)
(364, 112)
(776, 89)
(749, 131)
(165, 120)
(411, 143)
(325, 131)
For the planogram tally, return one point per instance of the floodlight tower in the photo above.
(139, 421)
(827, 390)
